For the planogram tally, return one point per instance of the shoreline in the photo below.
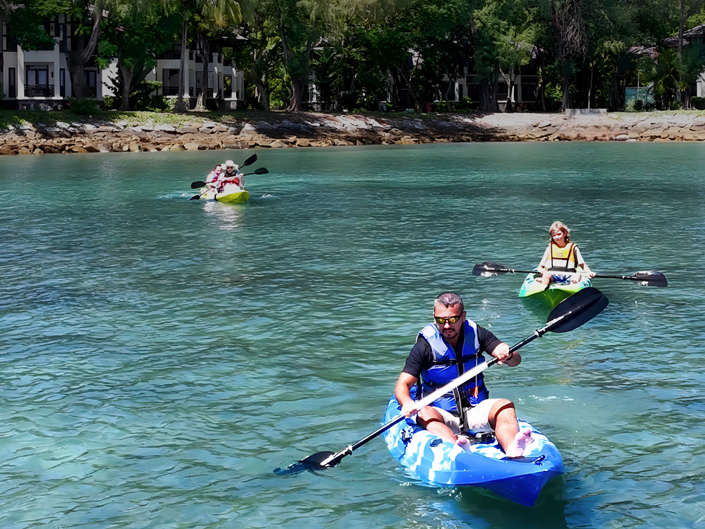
(148, 132)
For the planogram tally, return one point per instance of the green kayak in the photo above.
(554, 293)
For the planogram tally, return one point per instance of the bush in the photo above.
(84, 106)
(638, 105)
(698, 103)
(108, 102)
(465, 104)
(141, 97)
(674, 105)
(439, 106)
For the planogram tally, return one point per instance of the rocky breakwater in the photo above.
(279, 130)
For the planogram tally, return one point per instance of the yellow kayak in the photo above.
(231, 194)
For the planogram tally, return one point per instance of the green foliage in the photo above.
(27, 26)
(554, 94)
(698, 103)
(141, 97)
(85, 107)
(108, 102)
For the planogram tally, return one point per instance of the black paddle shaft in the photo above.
(649, 278)
(568, 315)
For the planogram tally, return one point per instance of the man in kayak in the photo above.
(433, 363)
(562, 258)
(231, 175)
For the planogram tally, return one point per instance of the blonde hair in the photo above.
(559, 226)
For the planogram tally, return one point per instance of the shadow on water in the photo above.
(549, 510)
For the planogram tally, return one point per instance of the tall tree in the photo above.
(220, 12)
(86, 17)
(571, 40)
(136, 34)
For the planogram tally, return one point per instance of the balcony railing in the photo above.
(39, 90)
(170, 90)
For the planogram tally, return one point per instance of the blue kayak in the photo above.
(438, 462)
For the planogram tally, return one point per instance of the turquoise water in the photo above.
(159, 357)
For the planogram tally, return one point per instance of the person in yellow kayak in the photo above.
(231, 175)
(444, 350)
(562, 261)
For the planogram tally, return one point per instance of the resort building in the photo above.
(39, 79)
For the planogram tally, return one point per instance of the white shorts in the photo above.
(477, 419)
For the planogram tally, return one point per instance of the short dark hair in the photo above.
(448, 299)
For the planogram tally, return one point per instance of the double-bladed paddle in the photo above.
(651, 278)
(568, 315)
(252, 159)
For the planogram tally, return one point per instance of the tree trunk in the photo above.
(412, 93)
(126, 85)
(203, 92)
(298, 87)
(510, 85)
(592, 71)
(566, 94)
(180, 105)
(299, 80)
(540, 88)
(76, 60)
(451, 84)
(349, 92)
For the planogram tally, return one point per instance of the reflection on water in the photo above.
(159, 357)
(226, 217)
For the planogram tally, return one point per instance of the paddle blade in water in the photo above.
(488, 269)
(195, 197)
(312, 462)
(651, 279)
(579, 308)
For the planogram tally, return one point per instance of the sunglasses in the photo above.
(451, 320)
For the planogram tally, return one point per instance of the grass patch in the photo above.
(14, 118)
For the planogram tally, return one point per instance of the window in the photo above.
(37, 82)
(170, 82)
(62, 82)
(91, 78)
(227, 86)
(11, 83)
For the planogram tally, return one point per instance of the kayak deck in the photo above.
(555, 293)
(485, 465)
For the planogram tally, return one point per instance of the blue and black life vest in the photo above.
(445, 367)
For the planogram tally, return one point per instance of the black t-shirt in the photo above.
(421, 355)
